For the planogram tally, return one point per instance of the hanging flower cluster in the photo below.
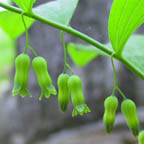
(66, 84)
(71, 84)
(128, 109)
(39, 65)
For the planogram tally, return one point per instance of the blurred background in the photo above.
(29, 121)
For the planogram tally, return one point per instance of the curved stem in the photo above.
(69, 67)
(65, 51)
(27, 35)
(115, 76)
(75, 33)
(121, 93)
(116, 88)
(33, 51)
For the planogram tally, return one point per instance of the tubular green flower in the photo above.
(141, 137)
(128, 108)
(22, 64)
(63, 91)
(39, 66)
(110, 104)
(75, 86)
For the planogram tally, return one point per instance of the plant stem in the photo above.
(33, 51)
(116, 88)
(65, 50)
(121, 93)
(27, 35)
(75, 33)
(69, 67)
(115, 76)
(66, 65)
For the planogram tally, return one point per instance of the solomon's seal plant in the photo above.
(39, 66)
(75, 86)
(63, 91)
(125, 17)
(128, 108)
(110, 105)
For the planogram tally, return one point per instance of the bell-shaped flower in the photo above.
(75, 86)
(110, 105)
(128, 108)
(63, 91)
(22, 64)
(39, 66)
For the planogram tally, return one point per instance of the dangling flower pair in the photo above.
(128, 109)
(73, 84)
(39, 66)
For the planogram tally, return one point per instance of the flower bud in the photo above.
(22, 64)
(141, 137)
(75, 86)
(39, 66)
(128, 108)
(63, 91)
(110, 105)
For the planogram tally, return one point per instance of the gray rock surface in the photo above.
(94, 133)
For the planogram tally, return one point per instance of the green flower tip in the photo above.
(52, 89)
(47, 92)
(135, 131)
(22, 91)
(108, 128)
(80, 109)
(63, 107)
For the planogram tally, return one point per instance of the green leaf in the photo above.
(12, 24)
(134, 53)
(132, 56)
(60, 11)
(125, 17)
(83, 54)
(26, 5)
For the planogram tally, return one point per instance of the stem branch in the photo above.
(69, 67)
(33, 51)
(116, 88)
(121, 93)
(115, 76)
(65, 51)
(27, 35)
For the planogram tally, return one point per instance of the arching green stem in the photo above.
(66, 65)
(69, 67)
(27, 35)
(27, 45)
(121, 93)
(33, 51)
(65, 50)
(115, 76)
(116, 88)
